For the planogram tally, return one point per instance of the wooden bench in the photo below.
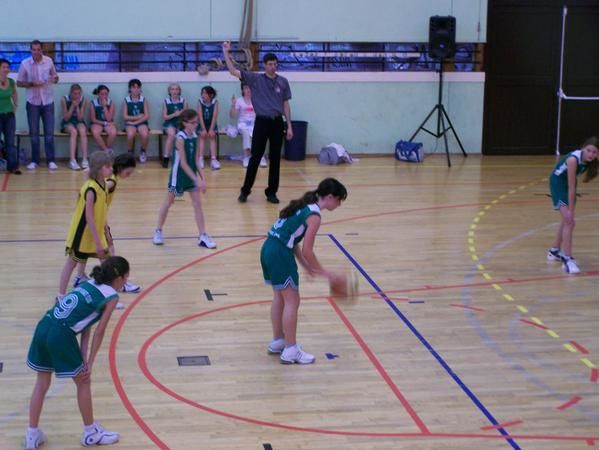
(153, 132)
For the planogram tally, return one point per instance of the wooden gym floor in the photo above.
(463, 336)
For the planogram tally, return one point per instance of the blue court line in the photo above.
(426, 344)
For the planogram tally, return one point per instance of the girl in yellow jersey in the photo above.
(87, 237)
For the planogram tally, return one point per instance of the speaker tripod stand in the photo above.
(442, 116)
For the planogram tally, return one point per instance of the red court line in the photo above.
(379, 367)
(5, 182)
(117, 331)
(501, 425)
(473, 308)
(569, 403)
(579, 347)
(528, 322)
(594, 375)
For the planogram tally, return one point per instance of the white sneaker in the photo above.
(99, 436)
(52, 165)
(31, 166)
(570, 266)
(201, 162)
(79, 280)
(130, 287)
(276, 346)
(555, 255)
(206, 241)
(214, 164)
(73, 165)
(120, 305)
(157, 239)
(263, 162)
(35, 439)
(245, 161)
(295, 355)
(143, 158)
(84, 164)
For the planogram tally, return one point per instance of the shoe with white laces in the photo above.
(143, 158)
(554, 254)
(99, 436)
(79, 280)
(215, 164)
(119, 305)
(31, 166)
(245, 161)
(276, 346)
(201, 162)
(295, 355)
(84, 164)
(131, 287)
(206, 241)
(52, 165)
(570, 266)
(157, 239)
(73, 165)
(34, 439)
(263, 162)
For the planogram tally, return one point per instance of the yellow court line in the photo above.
(552, 333)
(508, 297)
(587, 362)
(497, 287)
(522, 309)
(570, 348)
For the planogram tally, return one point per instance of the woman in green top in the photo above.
(9, 101)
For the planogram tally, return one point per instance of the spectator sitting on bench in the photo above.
(171, 110)
(136, 115)
(73, 123)
(101, 113)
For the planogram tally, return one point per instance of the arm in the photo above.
(126, 117)
(309, 257)
(229, 61)
(85, 344)
(166, 116)
(99, 332)
(233, 111)
(201, 180)
(109, 112)
(214, 117)
(53, 75)
(572, 164)
(146, 114)
(287, 112)
(81, 110)
(15, 98)
(90, 199)
(201, 118)
(23, 78)
(66, 113)
(92, 116)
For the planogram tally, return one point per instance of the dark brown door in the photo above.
(522, 61)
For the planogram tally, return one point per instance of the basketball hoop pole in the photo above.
(442, 116)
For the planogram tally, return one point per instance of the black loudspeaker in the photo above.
(441, 37)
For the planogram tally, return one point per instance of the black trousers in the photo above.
(271, 130)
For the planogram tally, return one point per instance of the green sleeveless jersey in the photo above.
(560, 171)
(83, 306)
(171, 107)
(178, 178)
(99, 109)
(291, 230)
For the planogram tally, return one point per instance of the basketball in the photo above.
(345, 285)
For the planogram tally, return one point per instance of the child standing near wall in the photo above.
(186, 176)
(136, 115)
(173, 105)
(562, 184)
(243, 109)
(101, 114)
(73, 122)
(208, 112)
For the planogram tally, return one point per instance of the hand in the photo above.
(201, 184)
(37, 83)
(100, 251)
(203, 133)
(53, 79)
(211, 133)
(85, 374)
(178, 112)
(226, 46)
(289, 132)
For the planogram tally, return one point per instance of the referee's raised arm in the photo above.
(232, 69)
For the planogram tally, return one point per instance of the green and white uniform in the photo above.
(178, 181)
(73, 120)
(207, 114)
(558, 182)
(135, 108)
(277, 258)
(54, 347)
(99, 109)
(171, 107)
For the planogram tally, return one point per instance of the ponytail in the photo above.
(592, 166)
(110, 269)
(325, 187)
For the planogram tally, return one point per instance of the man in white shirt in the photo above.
(37, 74)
